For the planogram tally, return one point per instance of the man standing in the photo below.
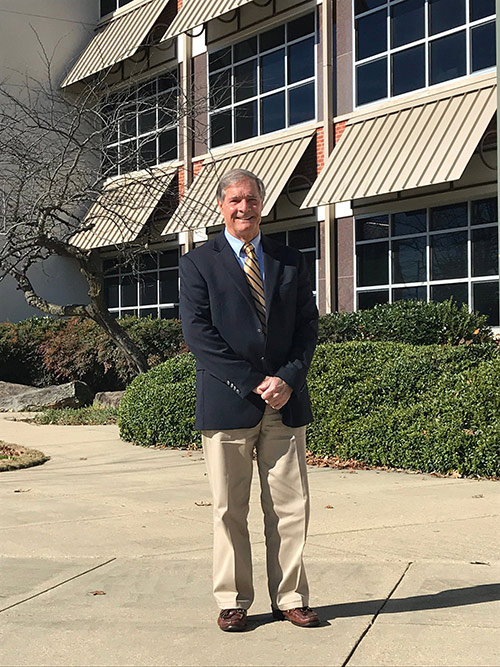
(250, 319)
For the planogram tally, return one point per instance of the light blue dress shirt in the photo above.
(241, 255)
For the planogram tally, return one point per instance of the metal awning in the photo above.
(122, 209)
(272, 163)
(401, 147)
(197, 12)
(117, 40)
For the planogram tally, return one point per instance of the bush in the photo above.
(414, 322)
(42, 351)
(428, 408)
(158, 408)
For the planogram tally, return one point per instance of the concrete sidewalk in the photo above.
(404, 569)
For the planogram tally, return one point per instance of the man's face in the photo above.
(242, 209)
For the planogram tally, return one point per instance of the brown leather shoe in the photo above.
(232, 620)
(304, 617)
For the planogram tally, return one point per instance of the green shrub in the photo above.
(429, 408)
(414, 322)
(158, 408)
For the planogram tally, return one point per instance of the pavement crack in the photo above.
(376, 615)
(61, 583)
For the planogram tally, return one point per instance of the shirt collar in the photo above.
(237, 245)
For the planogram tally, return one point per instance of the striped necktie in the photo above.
(254, 278)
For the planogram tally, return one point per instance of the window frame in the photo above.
(118, 5)
(470, 280)
(427, 40)
(259, 96)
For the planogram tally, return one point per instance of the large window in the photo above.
(108, 6)
(430, 254)
(147, 286)
(305, 240)
(403, 45)
(264, 83)
(141, 125)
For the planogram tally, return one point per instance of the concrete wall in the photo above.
(61, 29)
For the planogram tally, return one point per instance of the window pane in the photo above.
(449, 256)
(148, 289)
(373, 264)
(245, 49)
(245, 116)
(167, 81)
(220, 89)
(220, 128)
(407, 22)
(457, 292)
(376, 227)
(483, 46)
(245, 80)
(364, 5)
(408, 70)
(409, 222)
(371, 34)
(107, 6)
(280, 237)
(301, 60)
(169, 258)
(484, 211)
(300, 27)
(409, 264)
(218, 59)
(147, 152)
(129, 291)
(445, 14)
(111, 292)
(148, 312)
(272, 38)
(367, 300)
(168, 145)
(169, 313)
(128, 157)
(169, 286)
(301, 104)
(448, 57)
(485, 251)
(481, 8)
(147, 119)
(407, 293)
(273, 113)
(302, 238)
(371, 83)
(448, 217)
(128, 126)
(311, 267)
(272, 71)
(148, 262)
(167, 109)
(486, 301)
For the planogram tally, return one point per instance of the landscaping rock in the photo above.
(109, 399)
(69, 395)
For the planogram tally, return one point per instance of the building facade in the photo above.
(371, 122)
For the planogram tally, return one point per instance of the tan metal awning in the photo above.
(401, 147)
(122, 209)
(117, 40)
(197, 12)
(272, 163)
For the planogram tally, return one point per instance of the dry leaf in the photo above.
(476, 332)
(328, 507)
(478, 562)
(97, 593)
(83, 458)
(479, 495)
(21, 490)
(202, 503)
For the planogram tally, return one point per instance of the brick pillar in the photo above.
(339, 130)
(179, 5)
(320, 149)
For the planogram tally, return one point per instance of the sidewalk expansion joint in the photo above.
(376, 615)
(61, 583)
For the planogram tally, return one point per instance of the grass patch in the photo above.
(92, 415)
(15, 457)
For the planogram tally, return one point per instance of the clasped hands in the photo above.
(274, 391)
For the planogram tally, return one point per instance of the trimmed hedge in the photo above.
(428, 408)
(414, 322)
(42, 351)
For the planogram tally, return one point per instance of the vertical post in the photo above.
(187, 121)
(327, 24)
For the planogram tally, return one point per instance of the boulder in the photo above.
(109, 399)
(69, 395)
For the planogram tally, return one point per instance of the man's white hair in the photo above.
(235, 176)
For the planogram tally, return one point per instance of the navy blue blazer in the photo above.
(222, 329)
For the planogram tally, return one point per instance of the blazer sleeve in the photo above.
(210, 349)
(305, 336)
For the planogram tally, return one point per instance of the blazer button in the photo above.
(259, 330)
(262, 358)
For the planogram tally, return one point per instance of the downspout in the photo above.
(188, 124)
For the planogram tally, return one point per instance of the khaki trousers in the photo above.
(284, 499)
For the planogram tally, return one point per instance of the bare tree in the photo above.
(56, 159)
